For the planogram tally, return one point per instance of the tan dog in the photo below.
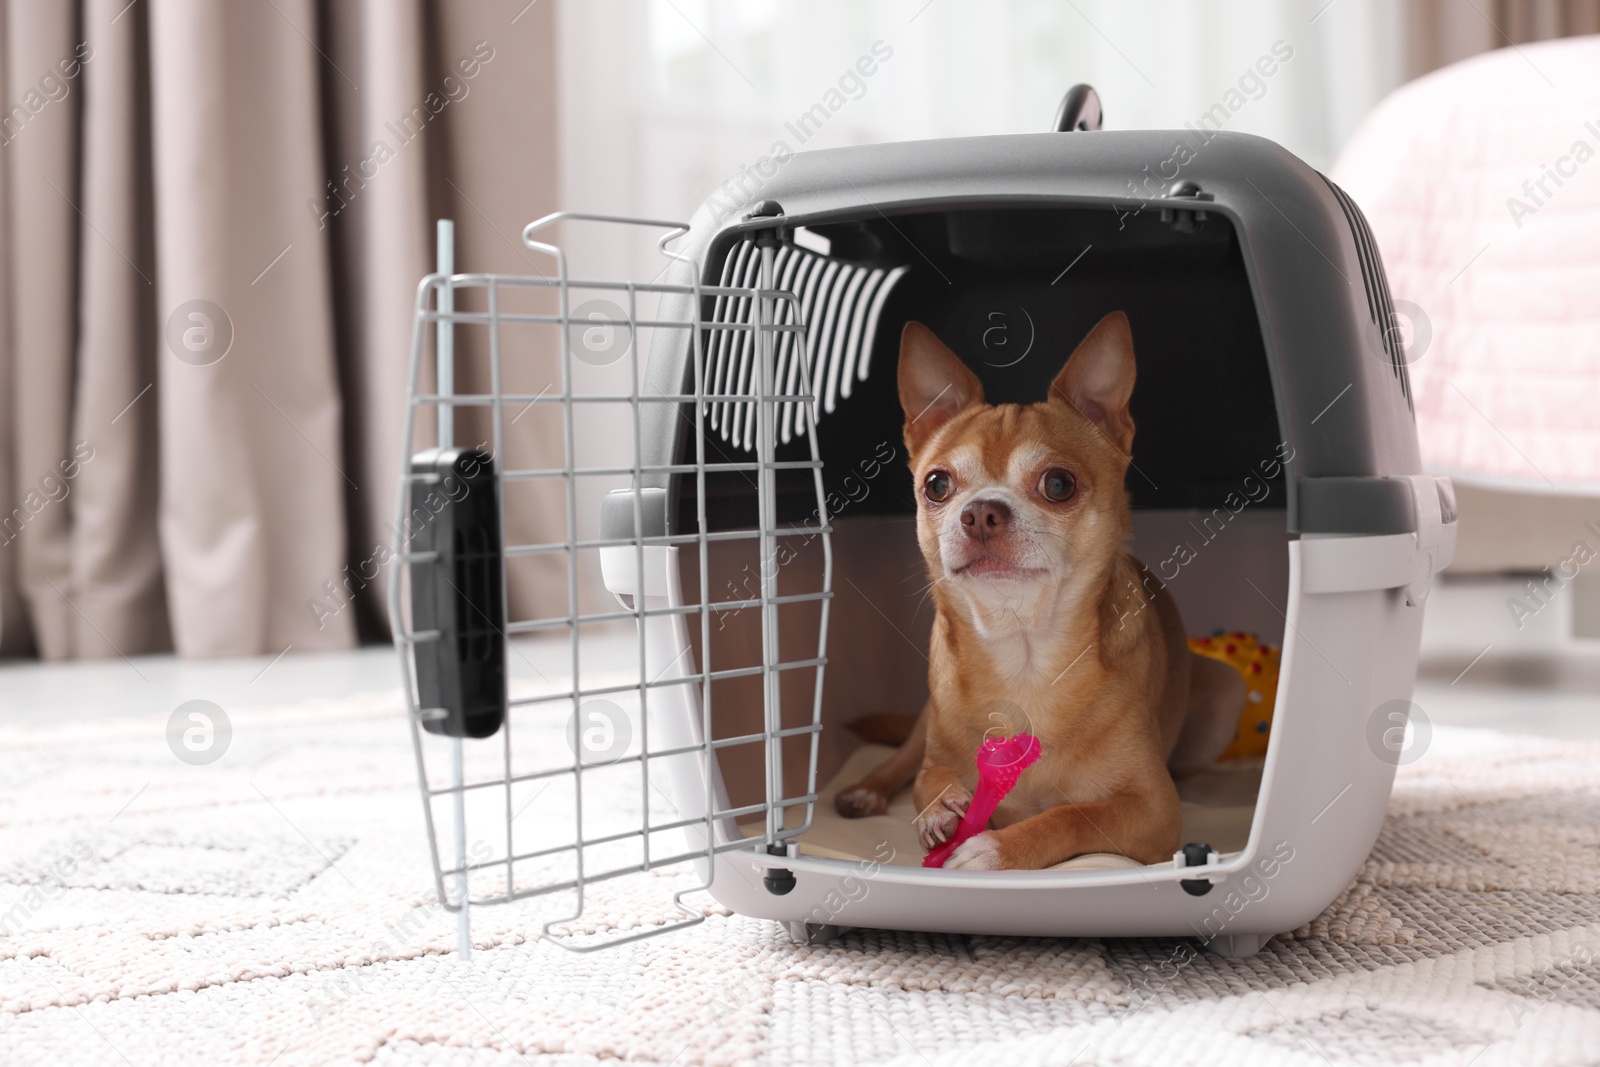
(1045, 622)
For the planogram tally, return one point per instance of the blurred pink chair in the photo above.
(1482, 185)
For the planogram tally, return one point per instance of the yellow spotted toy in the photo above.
(1258, 665)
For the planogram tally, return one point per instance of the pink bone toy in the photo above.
(1001, 761)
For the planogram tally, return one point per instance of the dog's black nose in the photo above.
(983, 519)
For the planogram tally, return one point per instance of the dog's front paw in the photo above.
(978, 853)
(939, 820)
(860, 802)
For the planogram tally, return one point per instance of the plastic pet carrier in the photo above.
(757, 535)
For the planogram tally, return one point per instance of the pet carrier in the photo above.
(760, 532)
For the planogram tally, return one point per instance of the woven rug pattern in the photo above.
(277, 906)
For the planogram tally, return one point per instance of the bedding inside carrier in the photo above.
(1217, 809)
(1011, 288)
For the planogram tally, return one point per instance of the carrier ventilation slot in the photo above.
(838, 304)
(1379, 304)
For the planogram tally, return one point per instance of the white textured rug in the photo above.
(277, 906)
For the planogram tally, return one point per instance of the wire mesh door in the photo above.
(564, 740)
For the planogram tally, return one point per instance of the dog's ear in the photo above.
(1098, 379)
(934, 384)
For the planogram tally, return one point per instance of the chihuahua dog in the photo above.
(1045, 621)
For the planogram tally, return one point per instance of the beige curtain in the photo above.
(1440, 32)
(214, 218)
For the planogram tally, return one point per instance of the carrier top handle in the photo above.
(1079, 110)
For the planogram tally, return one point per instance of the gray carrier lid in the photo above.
(1326, 319)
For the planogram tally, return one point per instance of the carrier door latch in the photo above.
(779, 880)
(1197, 854)
(1182, 219)
(1435, 532)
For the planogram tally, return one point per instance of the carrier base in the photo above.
(1237, 946)
(804, 933)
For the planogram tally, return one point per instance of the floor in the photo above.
(277, 909)
(1478, 668)
(260, 896)
(143, 685)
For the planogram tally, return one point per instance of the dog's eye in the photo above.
(936, 487)
(1057, 486)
